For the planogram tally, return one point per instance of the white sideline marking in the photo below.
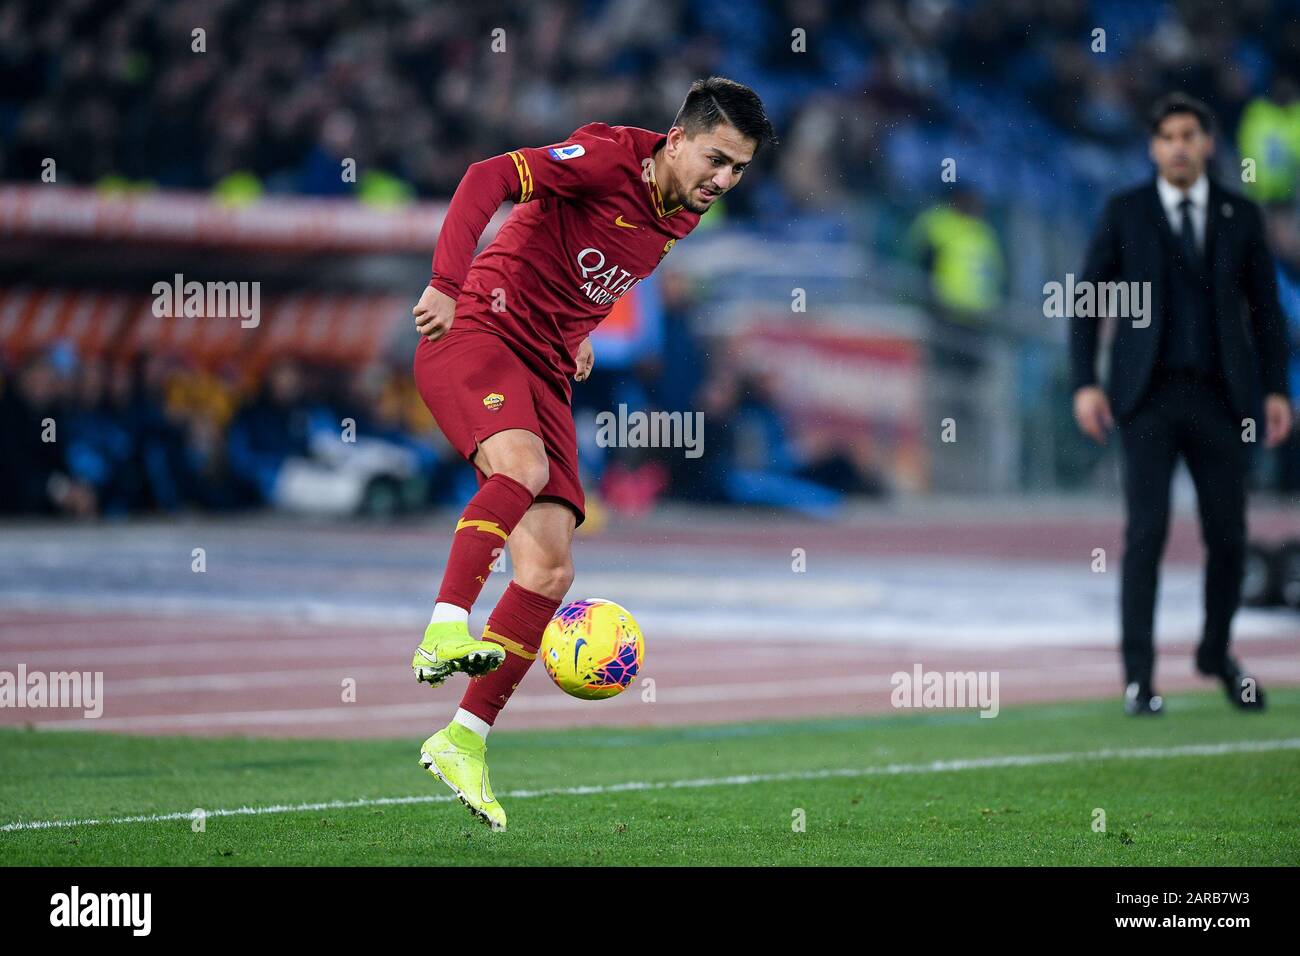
(896, 769)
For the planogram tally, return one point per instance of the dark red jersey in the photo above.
(589, 223)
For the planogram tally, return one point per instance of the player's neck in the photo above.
(664, 179)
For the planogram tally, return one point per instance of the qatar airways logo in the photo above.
(603, 285)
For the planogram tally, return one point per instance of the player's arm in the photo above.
(584, 165)
(482, 190)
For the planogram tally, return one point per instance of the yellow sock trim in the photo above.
(491, 527)
(514, 647)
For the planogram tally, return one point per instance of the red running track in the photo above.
(237, 676)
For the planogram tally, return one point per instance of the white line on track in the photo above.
(870, 673)
(885, 770)
(342, 646)
(666, 695)
(946, 625)
(863, 686)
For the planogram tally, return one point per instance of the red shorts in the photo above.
(475, 386)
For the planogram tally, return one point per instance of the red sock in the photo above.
(481, 532)
(517, 623)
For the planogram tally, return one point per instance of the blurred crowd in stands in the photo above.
(1040, 104)
(1043, 113)
(86, 436)
(862, 93)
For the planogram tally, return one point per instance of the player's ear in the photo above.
(676, 136)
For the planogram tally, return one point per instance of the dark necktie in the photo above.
(1187, 235)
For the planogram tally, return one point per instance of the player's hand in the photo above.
(1092, 413)
(584, 360)
(1279, 418)
(434, 313)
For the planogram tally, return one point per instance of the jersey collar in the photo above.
(657, 197)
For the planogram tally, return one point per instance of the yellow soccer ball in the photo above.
(592, 649)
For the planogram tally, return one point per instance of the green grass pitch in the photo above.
(1231, 807)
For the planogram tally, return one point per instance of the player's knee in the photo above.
(520, 455)
(564, 578)
(530, 470)
(552, 578)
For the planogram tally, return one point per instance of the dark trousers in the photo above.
(1189, 416)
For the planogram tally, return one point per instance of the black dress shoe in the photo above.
(1140, 702)
(1243, 691)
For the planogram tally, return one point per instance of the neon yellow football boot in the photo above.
(458, 757)
(447, 647)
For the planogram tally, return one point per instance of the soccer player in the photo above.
(593, 216)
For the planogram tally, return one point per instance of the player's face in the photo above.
(706, 165)
(1180, 149)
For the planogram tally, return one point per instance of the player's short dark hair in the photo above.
(1172, 104)
(720, 100)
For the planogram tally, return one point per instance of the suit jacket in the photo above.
(1134, 243)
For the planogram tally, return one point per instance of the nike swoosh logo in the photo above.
(577, 647)
(618, 221)
(483, 791)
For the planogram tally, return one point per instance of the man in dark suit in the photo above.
(1186, 378)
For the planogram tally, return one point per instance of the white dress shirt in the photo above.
(1171, 198)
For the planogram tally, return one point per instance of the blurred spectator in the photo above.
(961, 255)
(673, 375)
(102, 443)
(749, 457)
(960, 252)
(1288, 454)
(273, 428)
(35, 477)
(1269, 137)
